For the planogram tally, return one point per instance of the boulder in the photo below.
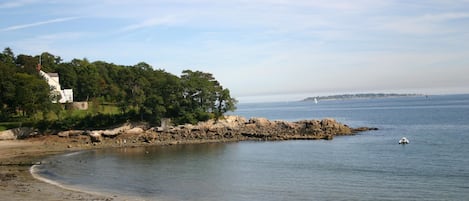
(18, 133)
(70, 133)
(136, 130)
(260, 122)
(95, 136)
(111, 133)
(232, 122)
(159, 129)
(7, 135)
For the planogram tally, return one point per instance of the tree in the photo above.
(154, 105)
(224, 103)
(134, 87)
(68, 76)
(7, 85)
(198, 88)
(7, 56)
(139, 88)
(32, 94)
(27, 64)
(110, 72)
(204, 95)
(49, 62)
(87, 80)
(143, 67)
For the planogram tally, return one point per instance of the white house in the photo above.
(66, 95)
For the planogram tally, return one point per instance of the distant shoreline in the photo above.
(360, 96)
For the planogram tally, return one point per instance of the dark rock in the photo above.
(362, 129)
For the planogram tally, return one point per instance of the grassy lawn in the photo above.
(102, 109)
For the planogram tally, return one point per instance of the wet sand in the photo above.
(16, 181)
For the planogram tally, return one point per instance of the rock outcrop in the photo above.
(17, 133)
(230, 128)
(263, 129)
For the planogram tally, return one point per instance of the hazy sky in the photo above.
(260, 47)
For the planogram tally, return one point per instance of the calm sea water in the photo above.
(368, 166)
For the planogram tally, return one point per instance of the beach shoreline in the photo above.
(17, 183)
(18, 158)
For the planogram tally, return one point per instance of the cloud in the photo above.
(425, 24)
(337, 5)
(16, 3)
(47, 42)
(24, 26)
(151, 22)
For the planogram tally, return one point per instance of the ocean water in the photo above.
(368, 166)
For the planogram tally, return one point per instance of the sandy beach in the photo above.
(17, 183)
(18, 156)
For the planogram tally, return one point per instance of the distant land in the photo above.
(359, 96)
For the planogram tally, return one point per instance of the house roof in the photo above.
(53, 74)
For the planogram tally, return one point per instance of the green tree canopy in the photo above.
(7, 83)
(204, 96)
(149, 94)
(32, 94)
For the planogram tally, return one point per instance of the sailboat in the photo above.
(315, 101)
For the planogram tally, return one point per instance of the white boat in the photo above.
(315, 100)
(403, 140)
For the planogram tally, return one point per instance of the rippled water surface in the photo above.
(368, 166)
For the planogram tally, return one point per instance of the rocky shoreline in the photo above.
(230, 128)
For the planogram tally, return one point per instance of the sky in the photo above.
(260, 49)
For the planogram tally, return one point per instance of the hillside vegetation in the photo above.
(359, 96)
(116, 93)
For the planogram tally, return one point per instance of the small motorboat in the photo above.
(403, 140)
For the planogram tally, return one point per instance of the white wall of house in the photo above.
(66, 95)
